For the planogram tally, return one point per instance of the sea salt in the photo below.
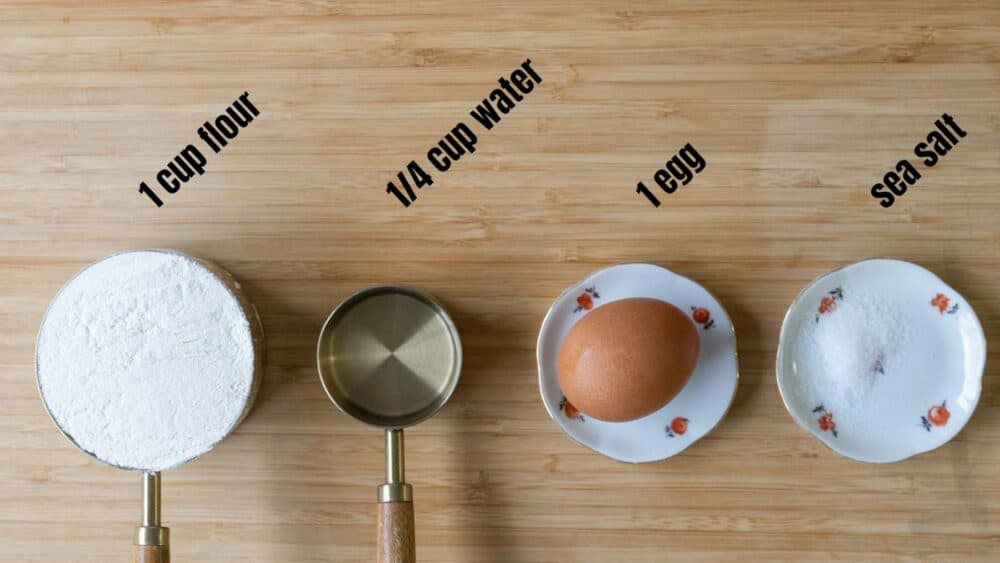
(145, 360)
(851, 346)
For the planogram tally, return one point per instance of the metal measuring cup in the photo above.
(152, 539)
(390, 357)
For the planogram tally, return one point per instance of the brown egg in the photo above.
(628, 358)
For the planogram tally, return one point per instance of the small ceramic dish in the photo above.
(700, 405)
(913, 406)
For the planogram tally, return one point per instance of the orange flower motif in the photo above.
(585, 301)
(829, 301)
(701, 315)
(941, 302)
(679, 425)
(938, 415)
(827, 304)
(570, 410)
(826, 422)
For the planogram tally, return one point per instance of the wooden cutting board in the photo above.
(798, 108)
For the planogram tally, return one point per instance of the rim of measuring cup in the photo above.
(249, 312)
(360, 415)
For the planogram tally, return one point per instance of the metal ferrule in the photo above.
(152, 535)
(395, 492)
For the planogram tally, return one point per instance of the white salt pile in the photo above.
(145, 360)
(849, 348)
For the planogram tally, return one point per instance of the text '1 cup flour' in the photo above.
(146, 360)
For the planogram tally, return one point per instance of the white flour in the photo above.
(145, 360)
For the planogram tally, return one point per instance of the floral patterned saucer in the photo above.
(700, 405)
(914, 406)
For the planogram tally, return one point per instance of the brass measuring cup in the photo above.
(152, 539)
(390, 356)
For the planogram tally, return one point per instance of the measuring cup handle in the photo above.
(152, 554)
(152, 541)
(396, 541)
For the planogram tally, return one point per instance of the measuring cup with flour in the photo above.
(146, 360)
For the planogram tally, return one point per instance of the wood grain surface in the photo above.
(396, 538)
(797, 107)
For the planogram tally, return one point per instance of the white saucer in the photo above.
(916, 405)
(700, 405)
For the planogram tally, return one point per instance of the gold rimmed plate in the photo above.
(920, 384)
(693, 413)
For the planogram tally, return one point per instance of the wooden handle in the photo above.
(152, 554)
(396, 541)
